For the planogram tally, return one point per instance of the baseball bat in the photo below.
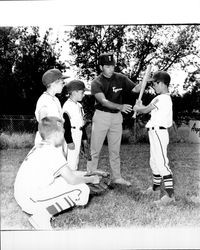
(143, 86)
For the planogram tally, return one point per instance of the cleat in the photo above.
(165, 200)
(121, 181)
(40, 222)
(98, 172)
(150, 192)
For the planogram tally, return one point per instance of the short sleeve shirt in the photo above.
(113, 88)
(39, 169)
(162, 114)
(75, 113)
(52, 105)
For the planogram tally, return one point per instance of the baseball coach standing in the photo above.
(108, 89)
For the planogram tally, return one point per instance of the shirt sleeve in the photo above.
(67, 127)
(96, 87)
(129, 85)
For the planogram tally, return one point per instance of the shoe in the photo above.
(98, 172)
(149, 191)
(121, 181)
(165, 200)
(40, 222)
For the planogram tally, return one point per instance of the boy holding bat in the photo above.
(161, 119)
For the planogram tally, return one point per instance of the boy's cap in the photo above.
(162, 76)
(52, 75)
(49, 125)
(106, 59)
(75, 85)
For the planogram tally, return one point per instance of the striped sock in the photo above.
(156, 181)
(168, 184)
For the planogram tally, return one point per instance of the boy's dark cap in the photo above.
(162, 76)
(75, 85)
(52, 75)
(106, 59)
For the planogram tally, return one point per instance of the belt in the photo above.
(109, 110)
(152, 128)
(80, 128)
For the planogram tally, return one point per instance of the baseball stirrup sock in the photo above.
(156, 181)
(168, 184)
(60, 205)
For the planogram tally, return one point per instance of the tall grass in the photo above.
(16, 140)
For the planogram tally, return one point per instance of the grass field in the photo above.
(120, 206)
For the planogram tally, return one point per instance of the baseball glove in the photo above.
(102, 186)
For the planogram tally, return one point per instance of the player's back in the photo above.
(38, 168)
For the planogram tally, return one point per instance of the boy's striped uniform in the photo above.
(38, 185)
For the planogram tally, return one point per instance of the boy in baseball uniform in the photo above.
(45, 185)
(161, 119)
(73, 115)
(48, 104)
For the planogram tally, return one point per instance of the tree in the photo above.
(135, 46)
(25, 56)
(88, 42)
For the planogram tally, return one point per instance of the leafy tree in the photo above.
(135, 46)
(88, 42)
(25, 56)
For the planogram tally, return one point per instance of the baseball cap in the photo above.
(75, 85)
(52, 75)
(162, 76)
(49, 125)
(106, 59)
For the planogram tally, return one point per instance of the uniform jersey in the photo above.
(38, 170)
(75, 113)
(162, 114)
(113, 89)
(52, 105)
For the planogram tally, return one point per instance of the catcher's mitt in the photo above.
(102, 186)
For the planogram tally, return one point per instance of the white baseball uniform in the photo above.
(75, 112)
(38, 184)
(53, 107)
(161, 119)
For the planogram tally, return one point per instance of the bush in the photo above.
(16, 140)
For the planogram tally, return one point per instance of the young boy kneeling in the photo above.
(45, 185)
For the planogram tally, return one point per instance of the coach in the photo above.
(108, 89)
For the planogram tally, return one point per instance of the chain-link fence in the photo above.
(18, 123)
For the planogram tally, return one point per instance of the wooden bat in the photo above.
(143, 86)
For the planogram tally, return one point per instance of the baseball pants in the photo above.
(55, 198)
(73, 155)
(159, 162)
(110, 125)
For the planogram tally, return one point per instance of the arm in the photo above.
(84, 136)
(137, 88)
(67, 133)
(43, 112)
(106, 103)
(143, 109)
(71, 177)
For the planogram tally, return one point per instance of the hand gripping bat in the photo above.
(143, 86)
